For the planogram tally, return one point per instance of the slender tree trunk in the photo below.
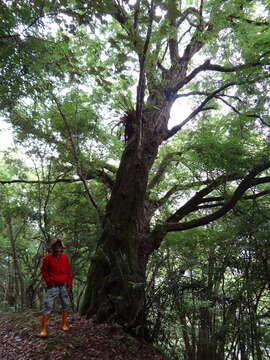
(9, 295)
(190, 354)
(205, 347)
(18, 276)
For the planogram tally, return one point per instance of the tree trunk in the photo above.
(9, 296)
(18, 276)
(116, 280)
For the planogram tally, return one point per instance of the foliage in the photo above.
(210, 298)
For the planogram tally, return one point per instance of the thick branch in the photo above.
(187, 186)
(247, 182)
(257, 195)
(207, 66)
(193, 47)
(184, 15)
(193, 93)
(173, 47)
(247, 197)
(172, 40)
(219, 200)
(141, 84)
(209, 206)
(118, 13)
(197, 199)
(229, 69)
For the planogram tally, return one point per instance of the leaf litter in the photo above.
(86, 340)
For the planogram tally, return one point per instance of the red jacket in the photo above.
(56, 269)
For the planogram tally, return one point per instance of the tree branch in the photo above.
(141, 83)
(257, 195)
(136, 15)
(247, 197)
(185, 13)
(76, 156)
(245, 184)
(207, 66)
(193, 93)
(180, 187)
(257, 23)
(197, 199)
(229, 69)
(209, 206)
(118, 13)
(45, 182)
(162, 168)
(219, 200)
(200, 108)
(255, 116)
(220, 97)
(172, 37)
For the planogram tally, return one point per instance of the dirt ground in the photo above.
(87, 340)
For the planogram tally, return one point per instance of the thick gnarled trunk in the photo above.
(115, 290)
(116, 280)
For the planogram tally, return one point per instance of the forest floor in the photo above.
(86, 340)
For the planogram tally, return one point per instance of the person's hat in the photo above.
(58, 242)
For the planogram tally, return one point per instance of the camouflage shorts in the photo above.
(54, 292)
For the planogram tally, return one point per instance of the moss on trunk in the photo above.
(115, 288)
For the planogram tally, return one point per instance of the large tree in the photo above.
(215, 52)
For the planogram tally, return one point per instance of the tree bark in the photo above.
(116, 280)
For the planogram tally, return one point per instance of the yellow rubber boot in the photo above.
(44, 325)
(64, 326)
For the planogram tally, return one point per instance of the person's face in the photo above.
(57, 250)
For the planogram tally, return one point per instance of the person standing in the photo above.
(57, 273)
